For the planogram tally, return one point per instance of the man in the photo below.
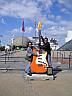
(46, 47)
(29, 57)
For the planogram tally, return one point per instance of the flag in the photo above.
(39, 25)
(23, 29)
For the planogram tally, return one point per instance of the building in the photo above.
(69, 36)
(54, 44)
(19, 41)
(66, 47)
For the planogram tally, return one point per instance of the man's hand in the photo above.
(35, 54)
(39, 44)
(41, 37)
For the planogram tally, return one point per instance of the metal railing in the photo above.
(7, 57)
(59, 56)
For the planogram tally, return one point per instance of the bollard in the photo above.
(8, 54)
(57, 56)
(69, 61)
(62, 57)
(5, 58)
(53, 54)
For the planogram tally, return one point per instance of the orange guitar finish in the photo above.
(35, 68)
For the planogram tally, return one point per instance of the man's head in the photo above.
(29, 44)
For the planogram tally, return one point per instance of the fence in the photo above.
(16, 59)
(64, 57)
(13, 60)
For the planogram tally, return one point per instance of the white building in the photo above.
(35, 40)
(54, 44)
(69, 36)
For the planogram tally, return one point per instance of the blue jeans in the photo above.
(27, 70)
(49, 59)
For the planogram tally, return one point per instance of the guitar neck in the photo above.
(40, 37)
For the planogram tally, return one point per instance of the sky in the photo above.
(55, 15)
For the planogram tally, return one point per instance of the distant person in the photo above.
(46, 47)
(7, 49)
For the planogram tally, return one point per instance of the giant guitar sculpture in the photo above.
(39, 63)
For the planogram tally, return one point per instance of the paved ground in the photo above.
(14, 83)
(61, 86)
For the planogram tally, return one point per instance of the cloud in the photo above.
(3, 21)
(67, 3)
(6, 39)
(18, 9)
(24, 8)
(18, 31)
(15, 30)
(27, 29)
(58, 18)
(55, 30)
(58, 29)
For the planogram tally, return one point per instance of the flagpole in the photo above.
(22, 31)
(35, 31)
(22, 39)
(35, 28)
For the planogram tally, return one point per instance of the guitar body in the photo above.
(39, 63)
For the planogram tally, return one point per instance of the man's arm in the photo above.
(42, 39)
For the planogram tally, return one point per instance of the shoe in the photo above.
(29, 74)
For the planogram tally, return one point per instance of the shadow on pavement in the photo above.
(56, 70)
